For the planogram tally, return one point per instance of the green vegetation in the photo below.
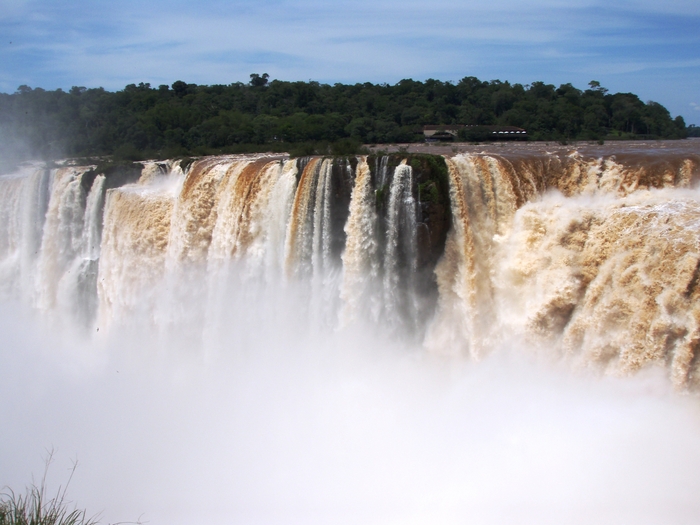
(475, 134)
(35, 507)
(308, 117)
(428, 192)
(693, 131)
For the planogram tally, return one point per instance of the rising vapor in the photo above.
(258, 339)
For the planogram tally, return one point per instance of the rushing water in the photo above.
(254, 339)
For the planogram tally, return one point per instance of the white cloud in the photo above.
(110, 44)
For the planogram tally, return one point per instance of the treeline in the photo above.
(693, 131)
(166, 121)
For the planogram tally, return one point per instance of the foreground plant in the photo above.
(36, 507)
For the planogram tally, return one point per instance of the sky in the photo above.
(646, 47)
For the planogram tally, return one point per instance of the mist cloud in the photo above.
(344, 428)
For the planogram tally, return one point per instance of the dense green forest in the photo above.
(141, 121)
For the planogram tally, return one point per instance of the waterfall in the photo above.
(77, 289)
(612, 283)
(309, 234)
(400, 255)
(360, 259)
(66, 275)
(483, 205)
(603, 271)
(133, 252)
(24, 197)
(546, 247)
(484, 336)
(277, 217)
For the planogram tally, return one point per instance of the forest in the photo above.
(141, 121)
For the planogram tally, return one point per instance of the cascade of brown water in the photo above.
(606, 271)
(581, 254)
(195, 212)
(134, 250)
(242, 202)
(299, 233)
(159, 228)
(483, 204)
(612, 283)
(360, 258)
(252, 216)
(309, 234)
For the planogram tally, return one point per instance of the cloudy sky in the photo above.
(648, 47)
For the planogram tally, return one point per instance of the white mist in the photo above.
(344, 427)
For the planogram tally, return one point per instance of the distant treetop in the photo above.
(196, 119)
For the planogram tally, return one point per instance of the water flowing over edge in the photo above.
(592, 258)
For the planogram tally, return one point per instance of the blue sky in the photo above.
(648, 47)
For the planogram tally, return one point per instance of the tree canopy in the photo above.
(162, 121)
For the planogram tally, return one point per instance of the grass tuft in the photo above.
(36, 507)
